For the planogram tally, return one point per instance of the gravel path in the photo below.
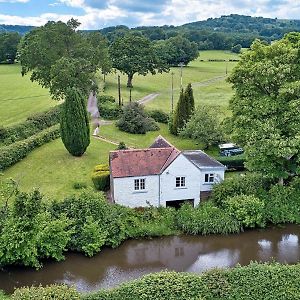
(148, 98)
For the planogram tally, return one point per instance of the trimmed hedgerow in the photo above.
(253, 282)
(57, 292)
(11, 154)
(206, 219)
(101, 178)
(233, 162)
(33, 125)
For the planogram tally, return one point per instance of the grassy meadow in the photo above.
(52, 169)
(197, 72)
(19, 97)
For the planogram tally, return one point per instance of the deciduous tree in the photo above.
(266, 106)
(204, 126)
(8, 46)
(59, 57)
(133, 54)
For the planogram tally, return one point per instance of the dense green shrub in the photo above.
(106, 98)
(150, 222)
(74, 123)
(109, 110)
(206, 219)
(250, 184)
(33, 125)
(11, 154)
(159, 116)
(79, 185)
(247, 209)
(122, 146)
(3, 296)
(101, 177)
(135, 120)
(51, 292)
(29, 233)
(283, 204)
(252, 282)
(233, 162)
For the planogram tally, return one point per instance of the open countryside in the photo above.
(170, 155)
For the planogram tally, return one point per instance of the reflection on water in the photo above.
(136, 258)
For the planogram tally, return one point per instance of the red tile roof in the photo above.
(142, 162)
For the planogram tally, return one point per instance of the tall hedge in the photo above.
(74, 124)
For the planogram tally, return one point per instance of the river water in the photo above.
(135, 258)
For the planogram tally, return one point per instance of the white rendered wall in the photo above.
(125, 194)
(180, 167)
(218, 172)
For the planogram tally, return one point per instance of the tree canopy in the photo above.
(133, 54)
(9, 46)
(60, 57)
(204, 126)
(266, 106)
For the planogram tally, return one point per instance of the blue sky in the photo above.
(94, 14)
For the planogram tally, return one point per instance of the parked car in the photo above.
(230, 149)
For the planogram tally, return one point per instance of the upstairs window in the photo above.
(209, 178)
(180, 181)
(139, 184)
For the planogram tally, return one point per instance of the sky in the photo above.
(96, 14)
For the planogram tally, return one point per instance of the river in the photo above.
(135, 258)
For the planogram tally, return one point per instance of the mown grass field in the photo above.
(197, 72)
(53, 170)
(19, 97)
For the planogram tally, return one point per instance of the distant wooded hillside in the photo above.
(15, 28)
(222, 33)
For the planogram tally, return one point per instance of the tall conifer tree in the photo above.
(180, 114)
(75, 130)
(190, 102)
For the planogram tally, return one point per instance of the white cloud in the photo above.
(111, 12)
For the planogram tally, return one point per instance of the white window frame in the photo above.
(180, 182)
(140, 184)
(209, 178)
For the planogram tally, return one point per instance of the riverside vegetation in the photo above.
(33, 229)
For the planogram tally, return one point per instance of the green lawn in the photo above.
(54, 171)
(19, 97)
(145, 140)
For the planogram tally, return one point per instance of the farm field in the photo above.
(197, 72)
(53, 170)
(19, 97)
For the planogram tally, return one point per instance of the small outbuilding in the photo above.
(162, 175)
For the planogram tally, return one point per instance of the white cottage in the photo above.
(162, 175)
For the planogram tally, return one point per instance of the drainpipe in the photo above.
(159, 190)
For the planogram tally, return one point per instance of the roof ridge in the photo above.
(173, 149)
(136, 150)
